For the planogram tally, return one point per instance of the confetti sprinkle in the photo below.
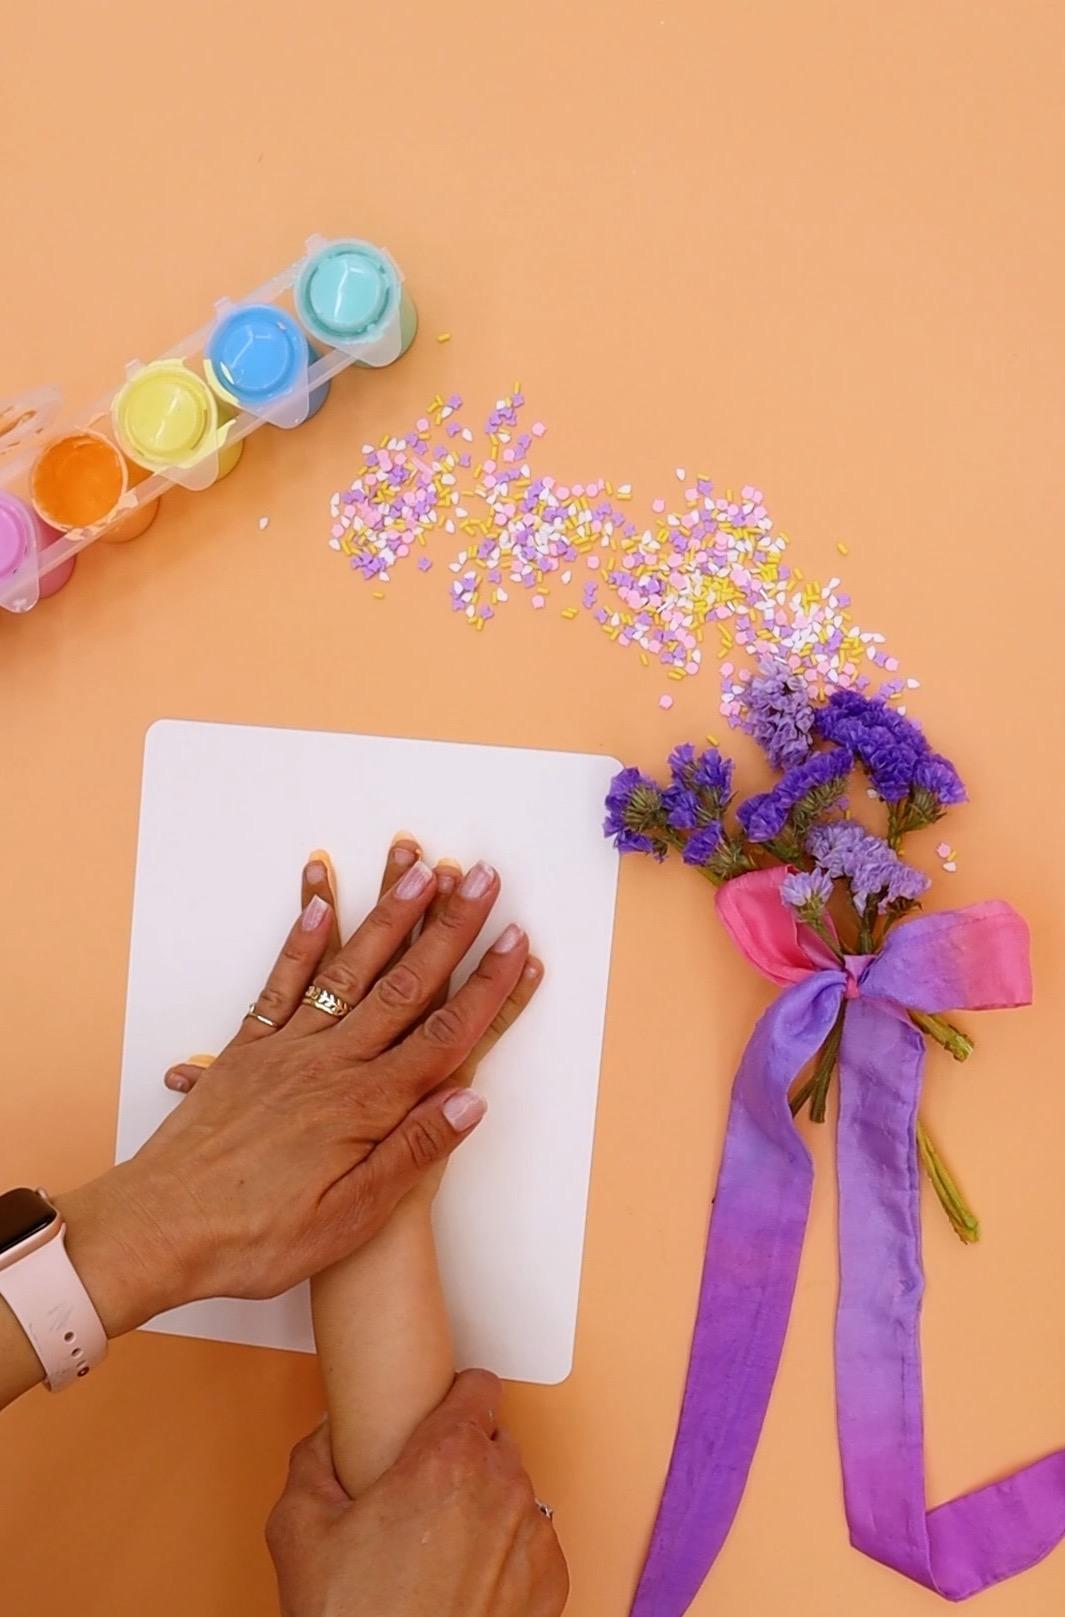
(443, 336)
(703, 573)
(264, 522)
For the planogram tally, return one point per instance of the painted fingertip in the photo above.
(446, 879)
(315, 872)
(401, 855)
(508, 939)
(177, 1080)
(532, 969)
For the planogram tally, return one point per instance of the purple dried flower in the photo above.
(873, 870)
(764, 817)
(634, 814)
(806, 892)
(938, 777)
(702, 845)
(780, 716)
(810, 787)
(893, 749)
(706, 772)
(682, 808)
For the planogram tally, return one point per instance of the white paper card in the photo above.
(228, 815)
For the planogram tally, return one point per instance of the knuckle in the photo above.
(343, 979)
(445, 1027)
(422, 1142)
(272, 998)
(451, 918)
(503, 1019)
(399, 988)
(293, 952)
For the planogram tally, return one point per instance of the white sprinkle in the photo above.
(264, 522)
(334, 544)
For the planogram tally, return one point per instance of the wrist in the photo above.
(119, 1247)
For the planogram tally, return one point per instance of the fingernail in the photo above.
(314, 914)
(477, 880)
(176, 1080)
(531, 969)
(415, 881)
(463, 1109)
(402, 856)
(445, 881)
(508, 939)
(315, 872)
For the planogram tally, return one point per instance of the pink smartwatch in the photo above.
(41, 1287)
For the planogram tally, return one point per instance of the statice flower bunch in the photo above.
(845, 881)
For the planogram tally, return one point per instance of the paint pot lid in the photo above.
(345, 290)
(257, 352)
(164, 412)
(17, 532)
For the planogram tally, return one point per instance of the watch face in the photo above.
(23, 1213)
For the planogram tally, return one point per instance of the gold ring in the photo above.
(323, 999)
(256, 1017)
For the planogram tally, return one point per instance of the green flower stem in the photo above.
(945, 1033)
(802, 1095)
(825, 935)
(963, 1220)
(826, 1065)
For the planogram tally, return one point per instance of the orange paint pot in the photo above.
(78, 480)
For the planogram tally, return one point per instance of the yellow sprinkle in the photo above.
(378, 595)
(443, 336)
(842, 548)
(675, 673)
(712, 739)
(645, 659)
(569, 611)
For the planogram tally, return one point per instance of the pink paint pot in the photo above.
(22, 533)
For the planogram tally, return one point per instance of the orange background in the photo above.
(810, 245)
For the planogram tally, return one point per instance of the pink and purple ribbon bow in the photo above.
(976, 959)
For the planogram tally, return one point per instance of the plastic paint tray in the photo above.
(346, 295)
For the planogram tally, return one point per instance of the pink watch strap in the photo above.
(47, 1298)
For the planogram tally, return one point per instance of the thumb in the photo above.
(426, 1136)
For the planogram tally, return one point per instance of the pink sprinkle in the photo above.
(943, 849)
(538, 601)
(658, 505)
(538, 429)
(665, 701)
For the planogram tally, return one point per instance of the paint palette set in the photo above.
(182, 418)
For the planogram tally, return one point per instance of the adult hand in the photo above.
(453, 1530)
(296, 1145)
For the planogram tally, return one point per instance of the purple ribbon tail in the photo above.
(752, 1259)
(974, 1541)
